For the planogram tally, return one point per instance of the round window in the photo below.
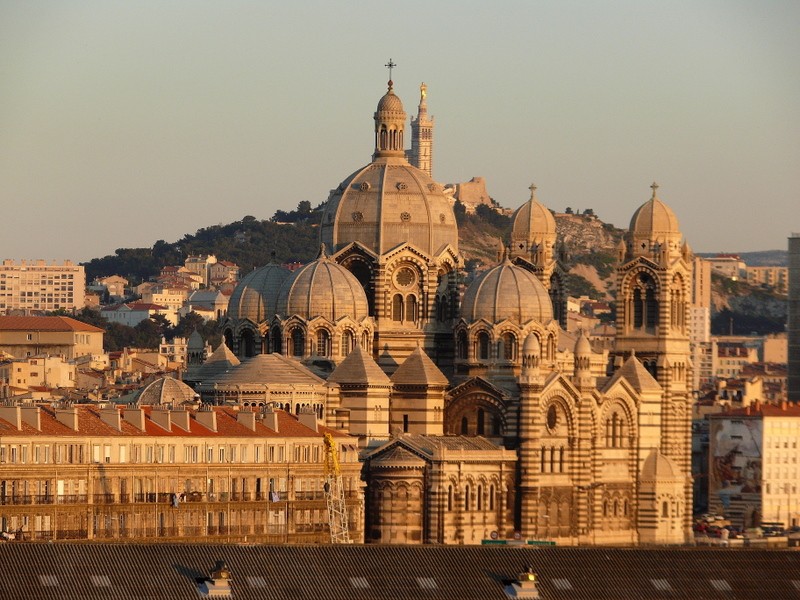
(405, 276)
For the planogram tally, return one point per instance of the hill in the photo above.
(589, 249)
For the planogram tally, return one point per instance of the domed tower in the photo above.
(653, 294)
(533, 246)
(322, 313)
(499, 309)
(393, 227)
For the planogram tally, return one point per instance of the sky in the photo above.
(123, 123)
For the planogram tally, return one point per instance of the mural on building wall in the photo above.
(736, 463)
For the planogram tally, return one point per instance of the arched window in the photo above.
(543, 459)
(616, 507)
(479, 500)
(479, 428)
(483, 345)
(298, 342)
(461, 344)
(449, 498)
(552, 459)
(247, 343)
(229, 339)
(464, 426)
(323, 343)
(411, 307)
(275, 338)
(561, 459)
(665, 509)
(347, 343)
(509, 346)
(605, 508)
(467, 499)
(491, 497)
(397, 308)
(625, 507)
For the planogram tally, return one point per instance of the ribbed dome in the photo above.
(533, 220)
(390, 102)
(166, 390)
(322, 288)
(507, 291)
(657, 467)
(654, 217)
(387, 203)
(256, 295)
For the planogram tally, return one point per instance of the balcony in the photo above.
(71, 499)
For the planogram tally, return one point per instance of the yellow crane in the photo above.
(334, 494)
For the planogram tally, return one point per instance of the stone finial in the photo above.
(654, 187)
(532, 188)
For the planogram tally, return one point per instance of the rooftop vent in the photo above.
(360, 583)
(218, 585)
(48, 580)
(524, 586)
(662, 585)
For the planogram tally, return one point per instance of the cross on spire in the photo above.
(390, 65)
(654, 187)
(532, 188)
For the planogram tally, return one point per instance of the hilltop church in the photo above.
(478, 415)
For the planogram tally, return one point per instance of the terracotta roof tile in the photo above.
(44, 324)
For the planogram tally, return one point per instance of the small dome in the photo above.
(654, 218)
(533, 221)
(166, 390)
(390, 102)
(583, 346)
(323, 288)
(657, 467)
(507, 291)
(256, 295)
(531, 347)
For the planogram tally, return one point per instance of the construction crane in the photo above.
(334, 494)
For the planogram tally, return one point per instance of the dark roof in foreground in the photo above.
(136, 571)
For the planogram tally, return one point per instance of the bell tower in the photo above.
(422, 135)
(654, 282)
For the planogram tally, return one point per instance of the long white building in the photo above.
(37, 285)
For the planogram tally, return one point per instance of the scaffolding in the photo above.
(334, 494)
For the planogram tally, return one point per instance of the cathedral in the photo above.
(478, 416)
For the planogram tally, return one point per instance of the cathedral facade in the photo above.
(478, 415)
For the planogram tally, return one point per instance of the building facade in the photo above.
(420, 367)
(23, 337)
(169, 472)
(794, 318)
(36, 285)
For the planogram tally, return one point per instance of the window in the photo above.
(483, 345)
(323, 343)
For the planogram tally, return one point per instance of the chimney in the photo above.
(161, 417)
(12, 414)
(181, 418)
(110, 416)
(135, 416)
(271, 419)
(207, 417)
(32, 416)
(68, 417)
(309, 419)
(247, 418)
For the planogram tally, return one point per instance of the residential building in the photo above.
(774, 278)
(22, 337)
(727, 265)
(36, 285)
(114, 285)
(136, 473)
(753, 470)
(38, 371)
(133, 313)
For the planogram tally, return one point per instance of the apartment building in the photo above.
(111, 473)
(37, 285)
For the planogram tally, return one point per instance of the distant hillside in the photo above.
(590, 255)
(762, 258)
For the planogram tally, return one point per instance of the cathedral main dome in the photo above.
(507, 291)
(389, 202)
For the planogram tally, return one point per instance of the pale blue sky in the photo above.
(122, 123)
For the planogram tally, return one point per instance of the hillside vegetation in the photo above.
(589, 252)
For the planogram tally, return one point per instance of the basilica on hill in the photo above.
(478, 416)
